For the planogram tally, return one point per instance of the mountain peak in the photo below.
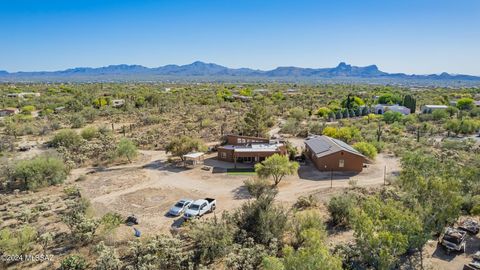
(199, 70)
(343, 65)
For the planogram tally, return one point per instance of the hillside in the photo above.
(200, 71)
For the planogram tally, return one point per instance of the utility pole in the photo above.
(385, 176)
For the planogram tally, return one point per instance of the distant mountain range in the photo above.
(200, 71)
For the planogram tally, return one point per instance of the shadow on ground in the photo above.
(164, 166)
(241, 193)
(309, 172)
(222, 166)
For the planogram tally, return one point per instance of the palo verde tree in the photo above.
(276, 166)
(183, 145)
(126, 148)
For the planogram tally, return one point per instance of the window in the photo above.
(341, 163)
(223, 155)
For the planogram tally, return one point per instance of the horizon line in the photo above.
(255, 69)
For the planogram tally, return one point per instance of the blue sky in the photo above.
(422, 36)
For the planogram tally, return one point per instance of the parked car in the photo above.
(476, 256)
(199, 208)
(24, 148)
(453, 239)
(180, 207)
(475, 265)
(470, 226)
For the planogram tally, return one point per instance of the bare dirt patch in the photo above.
(150, 186)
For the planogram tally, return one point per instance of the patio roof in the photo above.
(194, 155)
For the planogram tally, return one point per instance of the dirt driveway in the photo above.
(150, 186)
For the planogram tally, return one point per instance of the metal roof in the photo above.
(324, 146)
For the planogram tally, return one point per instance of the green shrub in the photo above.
(73, 262)
(366, 149)
(72, 191)
(77, 121)
(28, 109)
(304, 202)
(66, 138)
(17, 242)
(126, 148)
(89, 133)
(258, 186)
(340, 208)
(39, 172)
(392, 117)
(111, 221)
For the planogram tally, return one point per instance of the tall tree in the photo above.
(410, 102)
(256, 120)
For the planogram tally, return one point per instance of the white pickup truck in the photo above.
(200, 207)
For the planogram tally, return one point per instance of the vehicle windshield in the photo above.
(180, 204)
(452, 239)
(194, 206)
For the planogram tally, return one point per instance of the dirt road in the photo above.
(149, 186)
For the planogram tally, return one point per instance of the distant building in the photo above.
(23, 95)
(382, 108)
(246, 149)
(28, 94)
(291, 91)
(242, 98)
(260, 90)
(431, 108)
(118, 103)
(59, 109)
(9, 111)
(329, 154)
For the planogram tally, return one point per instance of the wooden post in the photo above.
(331, 178)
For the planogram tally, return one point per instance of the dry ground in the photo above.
(149, 186)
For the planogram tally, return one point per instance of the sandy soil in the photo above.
(149, 186)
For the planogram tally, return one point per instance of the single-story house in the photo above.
(260, 91)
(9, 111)
(28, 94)
(242, 98)
(23, 95)
(247, 149)
(431, 108)
(118, 103)
(329, 154)
(382, 108)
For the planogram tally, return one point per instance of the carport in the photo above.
(193, 158)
